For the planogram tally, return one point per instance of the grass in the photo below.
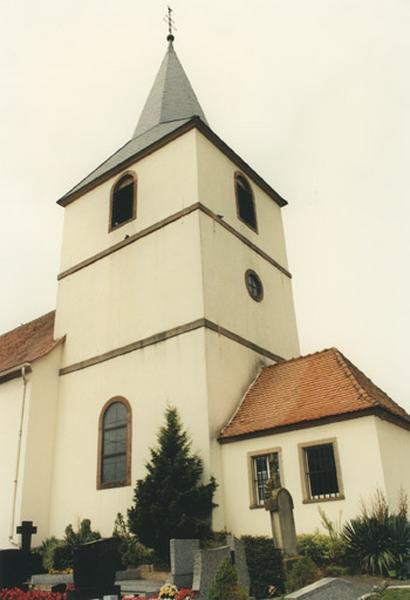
(395, 595)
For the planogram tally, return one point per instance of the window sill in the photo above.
(316, 500)
(110, 486)
(119, 225)
(254, 506)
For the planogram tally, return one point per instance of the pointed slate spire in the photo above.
(171, 99)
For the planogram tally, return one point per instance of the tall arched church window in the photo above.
(114, 445)
(123, 205)
(245, 203)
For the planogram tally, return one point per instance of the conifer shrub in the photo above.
(225, 584)
(265, 565)
(171, 502)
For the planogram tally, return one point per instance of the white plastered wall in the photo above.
(230, 369)
(168, 373)
(37, 471)
(361, 473)
(395, 453)
(148, 287)
(270, 323)
(11, 399)
(167, 183)
(217, 191)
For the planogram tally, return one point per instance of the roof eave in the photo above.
(15, 372)
(372, 411)
(197, 123)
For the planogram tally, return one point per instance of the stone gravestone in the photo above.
(207, 562)
(17, 566)
(238, 557)
(95, 567)
(279, 503)
(182, 561)
(325, 589)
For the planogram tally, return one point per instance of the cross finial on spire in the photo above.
(171, 25)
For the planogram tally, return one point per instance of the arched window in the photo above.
(245, 203)
(114, 446)
(123, 206)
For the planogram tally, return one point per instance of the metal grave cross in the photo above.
(26, 530)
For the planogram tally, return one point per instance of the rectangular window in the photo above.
(265, 467)
(321, 472)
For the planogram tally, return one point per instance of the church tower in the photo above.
(174, 290)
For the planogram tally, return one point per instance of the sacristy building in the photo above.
(174, 289)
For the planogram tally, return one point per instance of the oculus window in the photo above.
(114, 462)
(321, 472)
(123, 202)
(264, 468)
(254, 285)
(245, 203)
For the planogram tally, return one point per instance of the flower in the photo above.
(168, 591)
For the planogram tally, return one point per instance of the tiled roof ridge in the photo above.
(352, 368)
(288, 361)
(346, 366)
(32, 322)
(242, 400)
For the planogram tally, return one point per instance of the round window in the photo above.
(254, 285)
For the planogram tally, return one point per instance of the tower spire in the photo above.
(171, 99)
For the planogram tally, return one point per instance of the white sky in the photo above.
(315, 95)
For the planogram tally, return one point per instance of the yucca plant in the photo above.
(379, 544)
(368, 541)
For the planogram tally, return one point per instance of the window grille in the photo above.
(265, 467)
(321, 472)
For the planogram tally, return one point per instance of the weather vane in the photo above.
(171, 24)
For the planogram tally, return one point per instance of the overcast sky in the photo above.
(315, 95)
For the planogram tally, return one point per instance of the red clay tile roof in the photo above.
(27, 342)
(306, 389)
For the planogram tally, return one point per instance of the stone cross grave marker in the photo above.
(26, 530)
(279, 503)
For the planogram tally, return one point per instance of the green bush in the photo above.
(265, 565)
(132, 552)
(47, 550)
(58, 554)
(323, 549)
(63, 558)
(225, 584)
(336, 571)
(316, 546)
(303, 572)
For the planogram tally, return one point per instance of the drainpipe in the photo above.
(24, 370)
